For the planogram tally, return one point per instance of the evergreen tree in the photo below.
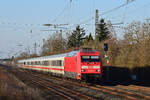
(88, 39)
(76, 38)
(88, 42)
(102, 31)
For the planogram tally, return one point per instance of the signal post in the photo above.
(107, 60)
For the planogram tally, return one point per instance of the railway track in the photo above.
(143, 91)
(130, 92)
(66, 93)
(120, 90)
(132, 95)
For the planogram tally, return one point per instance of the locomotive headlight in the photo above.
(96, 66)
(98, 70)
(84, 66)
(82, 70)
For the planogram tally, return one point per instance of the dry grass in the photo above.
(13, 89)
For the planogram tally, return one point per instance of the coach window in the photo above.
(53, 63)
(59, 62)
(42, 62)
(49, 63)
(24, 63)
(36, 63)
(28, 63)
(46, 63)
(39, 62)
(31, 63)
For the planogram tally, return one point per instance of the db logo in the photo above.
(90, 67)
(90, 70)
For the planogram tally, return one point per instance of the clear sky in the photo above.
(21, 20)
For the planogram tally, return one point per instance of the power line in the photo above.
(9, 23)
(116, 8)
(124, 14)
(88, 20)
(137, 9)
(60, 14)
(109, 11)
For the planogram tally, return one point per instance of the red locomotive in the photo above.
(79, 64)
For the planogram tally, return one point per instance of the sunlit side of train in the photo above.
(82, 64)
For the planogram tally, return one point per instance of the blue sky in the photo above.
(19, 17)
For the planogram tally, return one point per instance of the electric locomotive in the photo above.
(78, 64)
(83, 64)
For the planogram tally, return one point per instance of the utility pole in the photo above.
(35, 45)
(61, 39)
(96, 22)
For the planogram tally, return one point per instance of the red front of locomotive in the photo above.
(90, 65)
(84, 64)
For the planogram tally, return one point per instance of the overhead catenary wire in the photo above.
(133, 11)
(124, 14)
(93, 10)
(116, 8)
(57, 17)
(109, 11)
(139, 8)
(25, 24)
(84, 22)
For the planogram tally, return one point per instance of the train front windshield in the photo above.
(90, 58)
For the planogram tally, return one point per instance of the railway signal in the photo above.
(106, 59)
(105, 47)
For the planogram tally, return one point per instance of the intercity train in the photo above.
(79, 64)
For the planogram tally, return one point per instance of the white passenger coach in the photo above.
(53, 64)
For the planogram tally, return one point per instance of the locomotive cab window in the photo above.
(90, 58)
(95, 58)
(85, 58)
